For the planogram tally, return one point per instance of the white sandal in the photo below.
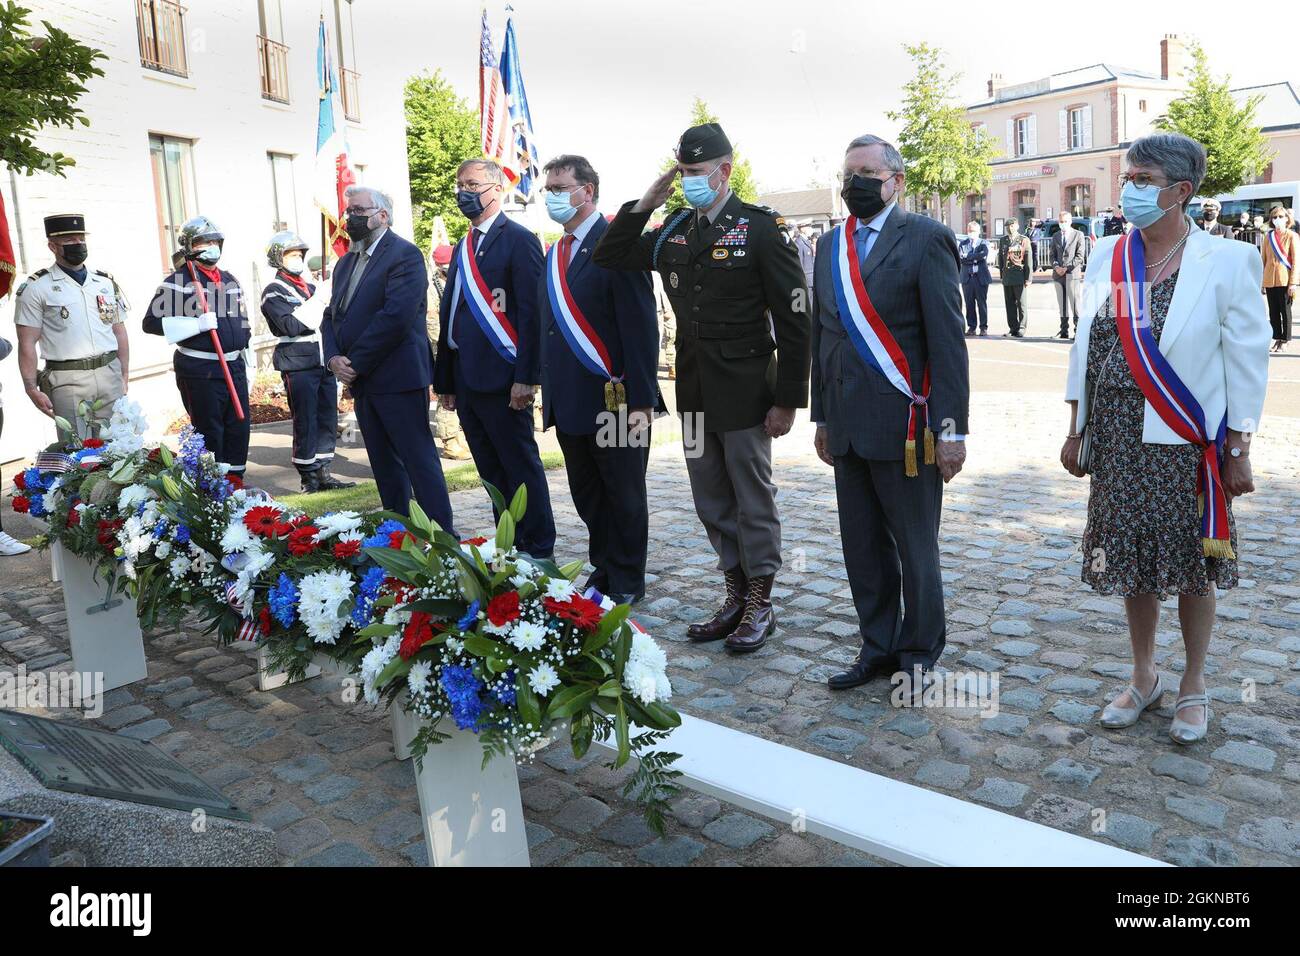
(1180, 730)
(1115, 717)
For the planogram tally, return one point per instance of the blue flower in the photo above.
(37, 508)
(375, 541)
(160, 529)
(466, 622)
(34, 480)
(367, 593)
(283, 600)
(462, 689)
(192, 448)
(182, 534)
(504, 690)
(388, 527)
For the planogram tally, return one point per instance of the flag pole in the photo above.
(324, 248)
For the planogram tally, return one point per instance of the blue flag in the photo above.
(523, 147)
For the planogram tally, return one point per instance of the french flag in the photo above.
(333, 172)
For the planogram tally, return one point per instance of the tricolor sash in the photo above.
(1166, 393)
(586, 344)
(873, 340)
(1277, 250)
(478, 297)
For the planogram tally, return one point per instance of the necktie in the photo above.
(566, 251)
(362, 258)
(861, 239)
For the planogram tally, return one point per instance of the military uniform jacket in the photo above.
(733, 362)
(284, 306)
(177, 297)
(76, 319)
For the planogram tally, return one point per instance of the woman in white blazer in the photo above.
(1144, 537)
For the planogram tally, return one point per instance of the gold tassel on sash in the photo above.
(929, 447)
(909, 458)
(1213, 547)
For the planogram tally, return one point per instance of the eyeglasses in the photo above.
(1141, 181)
(563, 190)
(474, 186)
(359, 210)
(843, 176)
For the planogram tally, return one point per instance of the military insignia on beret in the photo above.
(721, 253)
(697, 150)
(672, 279)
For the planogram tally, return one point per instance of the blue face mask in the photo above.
(559, 208)
(697, 190)
(208, 255)
(1142, 204)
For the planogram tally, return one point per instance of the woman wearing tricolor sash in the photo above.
(1166, 385)
(1281, 255)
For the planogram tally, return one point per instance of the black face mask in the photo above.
(862, 194)
(75, 253)
(1211, 215)
(358, 227)
(469, 203)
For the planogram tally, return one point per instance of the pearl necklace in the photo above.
(1177, 245)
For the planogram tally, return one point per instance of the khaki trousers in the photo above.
(68, 389)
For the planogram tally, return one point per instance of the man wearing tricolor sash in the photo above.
(599, 355)
(733, 277)
(489, 348)
(889, 377)
(1166, 383)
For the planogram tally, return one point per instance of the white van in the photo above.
(1253, 200)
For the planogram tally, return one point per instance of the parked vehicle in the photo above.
(1254, 200)
(1090, 226)
(24, 839)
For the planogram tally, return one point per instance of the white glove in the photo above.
(207, 321)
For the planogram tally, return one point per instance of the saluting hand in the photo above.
(658, 192)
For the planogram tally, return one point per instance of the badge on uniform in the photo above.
(107, 310)
(63, 312)
(615, 396)
(720, 253)
(672, 279)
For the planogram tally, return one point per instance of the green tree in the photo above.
(41, 79)
(1236, 151)
(742, 176)
(942, 153)
(442, 130)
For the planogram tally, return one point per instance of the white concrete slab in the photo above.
(103, 630)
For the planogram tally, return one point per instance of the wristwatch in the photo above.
(1236, 452)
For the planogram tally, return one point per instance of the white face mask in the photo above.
(973, 233)
(293, 266)
(1279, 223)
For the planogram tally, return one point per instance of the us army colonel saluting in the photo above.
(734, 281)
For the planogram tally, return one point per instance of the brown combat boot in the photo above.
(728, 616)
(759, 619)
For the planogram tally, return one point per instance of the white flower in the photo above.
(497, 630)
(163, 549)
(417, 679)
(640, 682)
(454, 646)
(179, 566)
(337, 522)
(645, 675)
(527, 636)
(485, 550)
(319, 596)
(124, 433)
(559, 589)
(236, 537)
(132, 495)
(543, 679)
(646, 650)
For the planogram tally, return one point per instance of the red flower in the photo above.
(74, 516)
(93, 443)
(475, 541)
(22, 504)
(503, 608)
(578, 610)
(399, 590)
(302, 540)
(346, 549)
(154, 453)
(265, 521)
(301, 520)
(396, 538)
(417, 632)
(20, 481)
(106, 534)
(236, 481)
(264, 619)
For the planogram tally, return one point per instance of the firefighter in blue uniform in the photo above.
(292, 314)
(178, 313)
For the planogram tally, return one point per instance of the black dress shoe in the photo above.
(623, 598)
(861, 672)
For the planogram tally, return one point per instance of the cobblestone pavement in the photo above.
(324, 776)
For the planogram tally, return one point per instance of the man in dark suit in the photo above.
(1067, 269)
(889, 497)
(1211, 222)
(600, 354)
(973, 252)
(489, 347)
(374, 341)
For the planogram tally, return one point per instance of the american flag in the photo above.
(248, 629)
(53, 461)
(494, 113)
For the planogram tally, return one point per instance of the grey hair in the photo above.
(493, 168)
(377, 196)
(1179, 157)
(893, 159)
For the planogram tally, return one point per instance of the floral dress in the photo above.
(1144, 528)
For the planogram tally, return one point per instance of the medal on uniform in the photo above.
(106, 312)
(720, 253)
(583, 340)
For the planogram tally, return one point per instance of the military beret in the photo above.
(64, 224)
(699, 144)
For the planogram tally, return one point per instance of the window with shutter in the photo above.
(1032, 149)
(1062, 117)
(1087, 127)
(1013, 147)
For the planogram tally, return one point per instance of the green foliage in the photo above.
(742, 175)
(1236, 149)
(941, 153)
(442, 130)
(41, 79)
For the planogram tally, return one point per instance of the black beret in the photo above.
(64, 224)
(699, 144)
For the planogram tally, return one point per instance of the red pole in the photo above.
(216, 344)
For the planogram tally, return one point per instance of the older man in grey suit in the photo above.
(889, 492)
(1067, 269)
